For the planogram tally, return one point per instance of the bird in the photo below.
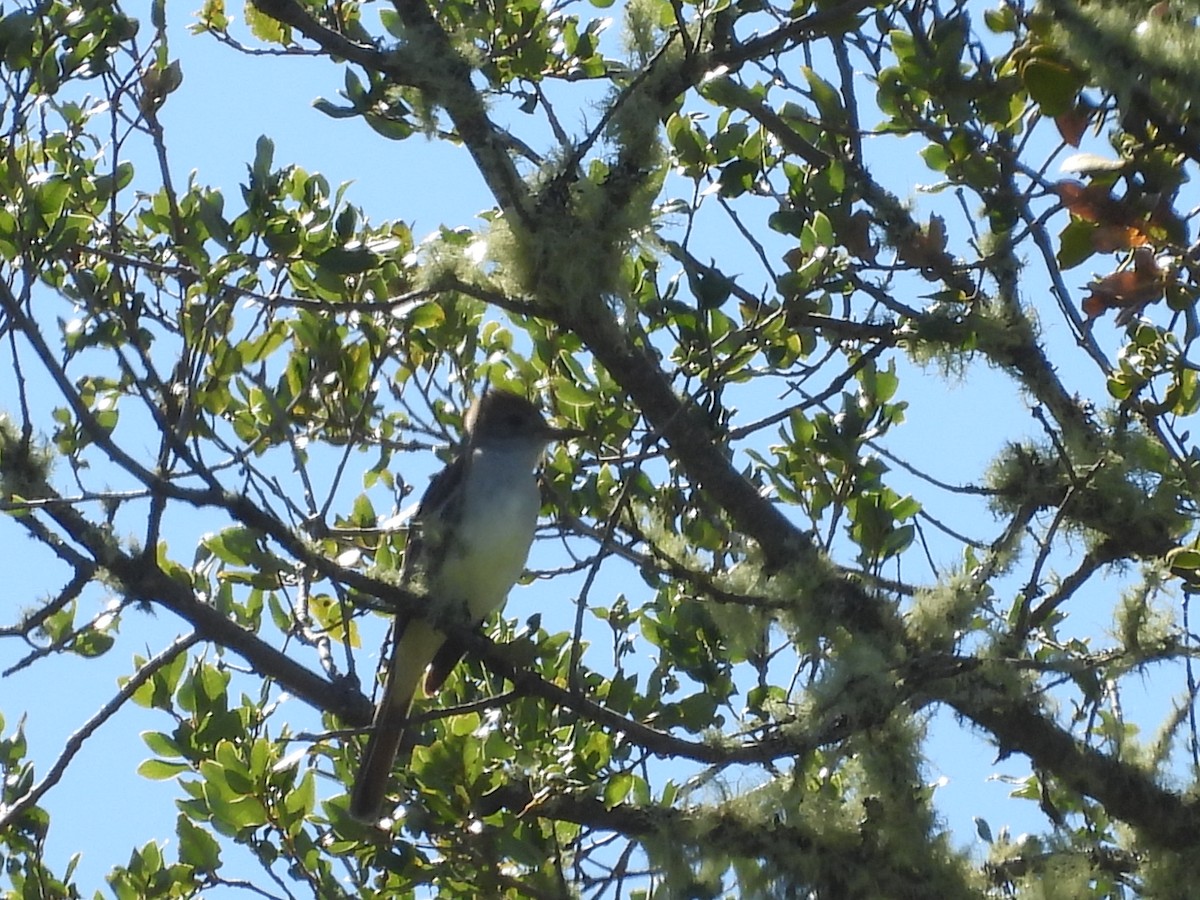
(473, 530)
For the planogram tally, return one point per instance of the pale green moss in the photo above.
(940, 613)
(1140, 621)
(1134, 44)
(24, 466)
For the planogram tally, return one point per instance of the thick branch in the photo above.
(437, 69)
(1127, 791)
(819, 857)
(140, 579)
(397, 65)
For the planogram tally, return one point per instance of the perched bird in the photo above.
(474, 527)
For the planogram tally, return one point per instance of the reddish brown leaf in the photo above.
(1109, 238)
(1090, 202)
(1122, 224)
(1072, 124)
(1128, 289)
(1093, 306)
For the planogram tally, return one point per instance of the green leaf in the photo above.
(1002, 20)
(302, 800)
(1052, 85)
(1076, 243)
(161, 744)
(571, 394)
(334, 111)
(825, 96)
(391, 128)
(212, 16)
(618, 788)
(49, 198)
(427, 315)
(686, 140)
(391, 20)
(1183, 559)
(983, 829)
(823, 230)
(92, 642)
(905, 508)
(197, 847)
(264, 153)
(237, 545)
(161, 770)
(347, 261)
(265, 27)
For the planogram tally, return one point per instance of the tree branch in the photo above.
(140, 579)
(10, 813)
(1127, 791)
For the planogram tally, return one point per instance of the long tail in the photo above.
(412, 654)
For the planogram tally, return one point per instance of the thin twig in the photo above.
(9, 813)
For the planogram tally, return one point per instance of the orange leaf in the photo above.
(1122, 223)
(1126, 288)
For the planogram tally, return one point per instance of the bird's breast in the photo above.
(487, 550)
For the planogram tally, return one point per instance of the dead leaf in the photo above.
(1129, 289)
(1072, 124)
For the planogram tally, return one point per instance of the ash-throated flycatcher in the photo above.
(474, 528)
